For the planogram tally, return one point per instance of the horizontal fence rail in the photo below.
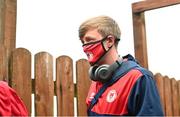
(45, 88)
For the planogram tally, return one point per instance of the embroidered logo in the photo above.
(92, 95)
(111, 96)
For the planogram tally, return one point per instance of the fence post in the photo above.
(3, 64)
(140, 44)
(2, 21)
(8, 23)
(8, 29)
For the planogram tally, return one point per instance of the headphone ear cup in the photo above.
(102, 73)
(92, 70)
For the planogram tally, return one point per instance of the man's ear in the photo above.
(110, 41)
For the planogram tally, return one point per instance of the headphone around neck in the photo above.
(103, 73)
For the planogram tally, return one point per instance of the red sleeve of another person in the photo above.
(10, 102)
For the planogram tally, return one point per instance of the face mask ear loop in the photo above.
(102, 42)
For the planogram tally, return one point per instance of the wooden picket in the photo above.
(175, 98)
(44, 84)
(168, 96)
(160, 85)
(179, 96)
(65, 86)
(83, 83)
(21, 75)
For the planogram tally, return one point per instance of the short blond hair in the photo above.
(105, 26)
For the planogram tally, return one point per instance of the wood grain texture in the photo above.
(44, 84)
(2, 21)
(10, 25)
(140, 44)
(160, 85)
(64, 86)
(3, 64)
(168, 96)
(175, 98)
(83, 84)
(21, 75)
(152, 4)
(8, 29)
(179, 95)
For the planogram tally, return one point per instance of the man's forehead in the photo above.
(92, 34)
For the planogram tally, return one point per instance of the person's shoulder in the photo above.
(145, 72)
(131, 76)
(135, 73)
(139, 74)
(146, 77)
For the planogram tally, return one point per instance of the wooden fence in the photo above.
(45, 88)
(169, 90)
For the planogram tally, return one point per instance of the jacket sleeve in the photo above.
(144, 99)
(10, 103)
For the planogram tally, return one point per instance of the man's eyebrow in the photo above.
(90, 38)
(87, 38)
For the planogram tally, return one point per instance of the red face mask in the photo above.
(95, 51)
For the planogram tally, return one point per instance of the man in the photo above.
(120, 86)
(10, 102)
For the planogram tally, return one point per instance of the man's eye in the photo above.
(89, 41)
